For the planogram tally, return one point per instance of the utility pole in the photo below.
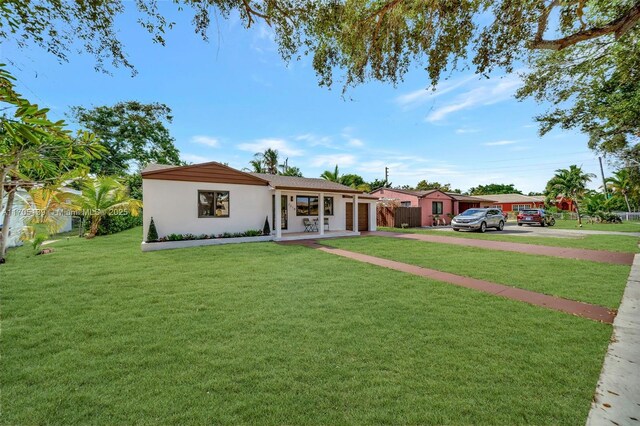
(386, 175)
(604, 182)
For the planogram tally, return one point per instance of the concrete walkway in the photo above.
(568, 253)
(585, 310)
(617, 397)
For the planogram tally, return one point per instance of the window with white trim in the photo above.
(519, 207)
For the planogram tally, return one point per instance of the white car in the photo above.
(479, 220)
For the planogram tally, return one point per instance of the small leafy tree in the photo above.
(34, 150)
(152, 234)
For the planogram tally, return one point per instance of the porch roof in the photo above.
(305, 184)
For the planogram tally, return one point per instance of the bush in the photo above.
(37, 243)
(152, 235)
(115, 224)
(266, 230)
(606, 217)
(185, 237)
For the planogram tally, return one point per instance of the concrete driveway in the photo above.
(511, 228)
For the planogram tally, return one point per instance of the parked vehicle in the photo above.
(535, 216)
(479, 220)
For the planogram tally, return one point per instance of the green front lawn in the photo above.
(620, 227)
(99, 332)
(584, 281)
(619, 243)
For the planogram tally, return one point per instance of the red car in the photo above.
(537, 216)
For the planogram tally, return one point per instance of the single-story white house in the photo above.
(214, 199)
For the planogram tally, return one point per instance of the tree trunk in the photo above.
(4, 241)
(93, 227)
(626, 199)
(579, 217)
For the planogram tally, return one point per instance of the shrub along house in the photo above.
(211, 199)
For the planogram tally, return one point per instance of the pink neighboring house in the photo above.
(433, 202)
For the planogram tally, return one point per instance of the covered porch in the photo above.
(293, 236)
(306, 214)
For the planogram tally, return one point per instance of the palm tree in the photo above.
(264, 162)
(103, 196)
(331, 176)
(571, 184)
(620, 183)
(256, 164)
(45, 205)
(270, 161)
(292, 171)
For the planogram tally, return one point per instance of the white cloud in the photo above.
(420, 96)
(485, 92)
(194, 158)
(520, 148)
(342, 160)
(355, 142)
(281, 145)
(466, 130)
(315, 140)
(206, 140)
(347, 134)
(499, 143)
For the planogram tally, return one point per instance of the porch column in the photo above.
(355, 213)
(321, 213)
(277, 220)
(373, 216)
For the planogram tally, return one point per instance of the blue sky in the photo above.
(235, 96)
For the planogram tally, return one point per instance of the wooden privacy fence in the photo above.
(395, 216)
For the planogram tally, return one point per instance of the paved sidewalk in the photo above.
(568, 253)
(585, 310)
(617, 397)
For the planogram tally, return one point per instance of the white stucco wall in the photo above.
(336, 221)
(174, 207)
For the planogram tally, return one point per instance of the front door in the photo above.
(284, 213)
(363, 217)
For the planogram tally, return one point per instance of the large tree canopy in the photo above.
(582, 55)
(494, 188)
(365, 38)
(132, 133)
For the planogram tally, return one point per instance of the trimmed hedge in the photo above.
(115, 224)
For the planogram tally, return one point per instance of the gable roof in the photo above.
(467, 198)
(205, 172)
(513, 198)
(215, 172)
(418, 194)
(302, 183)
